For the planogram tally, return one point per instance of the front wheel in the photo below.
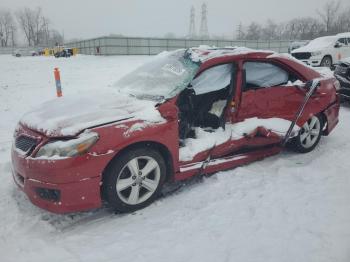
(309, 135)
(326, 61)
(134, 179)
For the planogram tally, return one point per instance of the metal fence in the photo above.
(152, 46)
(23, 50)
(7, 50)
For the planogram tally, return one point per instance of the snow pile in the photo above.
(346, 60)
(69, 115)
(206, 140)
(325, 72)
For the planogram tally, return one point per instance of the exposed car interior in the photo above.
(203, 102)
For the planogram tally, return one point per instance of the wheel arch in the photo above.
(330, 56)
(324, 122)
(161, 148)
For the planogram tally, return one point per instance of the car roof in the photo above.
(206, 53)
(344, 34)
(211, 56)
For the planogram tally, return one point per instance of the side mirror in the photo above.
(338, 45)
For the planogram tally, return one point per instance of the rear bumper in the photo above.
(332, 115)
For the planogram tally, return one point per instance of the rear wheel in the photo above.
(326, 61)
(309, 135)
(134, 180)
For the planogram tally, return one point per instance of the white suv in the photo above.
(324, 51)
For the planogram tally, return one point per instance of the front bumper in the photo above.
(313, 61)
(72, 197)
(60, 186)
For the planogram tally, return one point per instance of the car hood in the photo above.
(68, 116)
(307, 49)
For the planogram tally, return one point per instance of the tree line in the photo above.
(333, 18)
(32, 24)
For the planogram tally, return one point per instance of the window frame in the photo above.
(234, 64)
(282, 66)
(345, 41)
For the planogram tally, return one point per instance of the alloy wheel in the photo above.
(310, 132)
(326, 62)
(138, 180)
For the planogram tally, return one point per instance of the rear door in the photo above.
(269, 91)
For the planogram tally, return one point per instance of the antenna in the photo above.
(192, 31)
(204, 22)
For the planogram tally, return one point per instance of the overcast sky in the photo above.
(91, 18)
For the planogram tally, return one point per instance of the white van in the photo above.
(324, 51)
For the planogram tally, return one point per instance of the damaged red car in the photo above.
(184, 113)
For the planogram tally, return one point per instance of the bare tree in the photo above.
(34, 25)
(7, 28)
(270, 30)
(253, 31)
(329, 14)
(55, 38)
(342, 24)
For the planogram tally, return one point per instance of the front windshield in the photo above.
(322, 42)
(164, 77)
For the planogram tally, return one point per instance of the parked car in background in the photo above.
(19, 52)
(297, 44)
(25, 52)
(342, 73)
(182, 114)
(324, 51)
(66, 52)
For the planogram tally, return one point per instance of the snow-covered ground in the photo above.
(289, 207)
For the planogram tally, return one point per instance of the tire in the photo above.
(327, 61)
(127, 186)
(309, 135)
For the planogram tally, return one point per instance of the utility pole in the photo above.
(192, 30)
(240, 34)
(204, 33)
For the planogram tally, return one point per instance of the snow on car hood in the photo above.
(316, 45)
(306, 49)
(68, 116)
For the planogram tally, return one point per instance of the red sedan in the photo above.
(185, 113)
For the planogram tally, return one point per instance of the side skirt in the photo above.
(224, 163)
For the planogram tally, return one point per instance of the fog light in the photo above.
(48, 194)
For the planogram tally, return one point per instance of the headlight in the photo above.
(316, 53)
(69, 148)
